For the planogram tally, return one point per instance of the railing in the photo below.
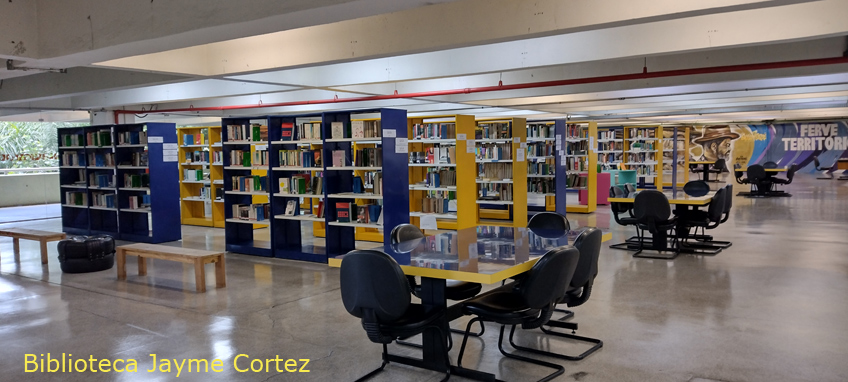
(5, 171)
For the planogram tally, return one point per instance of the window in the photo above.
(30, 147)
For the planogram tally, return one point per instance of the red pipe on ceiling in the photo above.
(530, 85)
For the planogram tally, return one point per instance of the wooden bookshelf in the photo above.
(643, 153)
(506, 210)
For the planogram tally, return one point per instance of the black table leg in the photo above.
(706, 170)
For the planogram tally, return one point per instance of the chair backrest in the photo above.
(720, 164)
(790, 174)
(405, 232)
(817, 163)
(756, 172)
(549, 220)
(373, 286)
(696, 188)
(617, 208)
(728, 198)
(717, 205)
(589, 245)
(651, 206)
(546, 282)
(770, 164)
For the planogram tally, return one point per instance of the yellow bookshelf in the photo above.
(643, 153)
(681, 145)
(195, 176)
(583, 134)
(516, 142)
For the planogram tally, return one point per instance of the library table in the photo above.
(483, 254)
(705, 167)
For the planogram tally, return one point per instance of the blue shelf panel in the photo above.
(561, 176)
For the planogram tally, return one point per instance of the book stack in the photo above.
(197, 156)
(434, 155)
(434, 131)
(609, 146)
(217, 157)
(75, 198)
(139, 159)
(576, 181)
(136, 180)
(250, 133)
(540, 130)
(300, 158)
(101, 179)
(437, 204)
(138, 202)
(132, 138)
(196, 139)
(192, 175)
(369, 157)
(496, 191)
(575, 164)
(100, 138)
(252, 212)
(374, 181)
(356, 129)
(240, 158)
(494, 170)
(542, 186)
(576, 148)
(498, 130)
(73, 159)
(206, 192)
(608, 135)
(641, 157)
(497, 151)
(309, 131)
(72, 140)
(540, 149)
(260, 158)
(545, 167)
(575, 132)
(302, 184)
(99, 159)
(350, 212)
(250, 183)
(102, 199)
(442, 178)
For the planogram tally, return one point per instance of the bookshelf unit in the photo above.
(610, 147)
(541, 165)
(100, 172)
(216, 170)
(73, 180)
(441, 177)
(500, 147)
(578, 157)
(247, 220)
(196, 177)
(643, 153)
(675, 151)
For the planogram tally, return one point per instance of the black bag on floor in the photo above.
(82, 254)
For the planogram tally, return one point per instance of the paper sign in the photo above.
(261, 147)
(401, 145)
(169, 152)
(523, 145)
(516, 139)
(169, 146)
(168, 158)
(592, 146)
(389, 133)
(469, 146)
(155, 139)
(519, 155)
(472, 251)
(428, 222)
(460, 137)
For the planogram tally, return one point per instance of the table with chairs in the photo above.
(764, 180)
(543, 265)
(717, 167)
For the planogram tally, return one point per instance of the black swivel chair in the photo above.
(718, 167)
(709, 219)
(528, 303)
(758, 178)
(653, 214)
(790, 175)
(577, 293)
(375, 290)
(739, 174)
(549, 220)
(619, 209)
(826, 171)
(770, 164)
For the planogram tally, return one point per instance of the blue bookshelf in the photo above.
(73, 181)
(100, 173)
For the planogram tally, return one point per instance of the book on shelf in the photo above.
(290, 208)
(76, 198)
(287, 131)
(317, 185)
(337, 130)
(72, 140)
(495, 130)
(343, 212)
(540, 130)
(309, 131)
(197, 156)
(542, 186)
(494, 151)
(190, 175)
(103, 199)
(260, 158)
(338, 158)
(362, 214)
(357, 185)
(374, 181)
(100, 138)
(219, 193)
(320, 212)
(136, 180)
(73, 158)
(494, 170)
(497, 191)
(364, 129)
(369, 157)
(300, 158)
(252, 212)
(101, 159)
(434, 131)
(132, 138)
(138, 201)
(250, 183)
(240, 158)
(357, 129)
(253, 133)
(101, 179)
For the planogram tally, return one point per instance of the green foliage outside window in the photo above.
(30, 144)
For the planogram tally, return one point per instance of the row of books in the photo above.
(496, 251)
(72, 140)
(541, 168)
(302, 184)
(138, 202)
(434, 130)
(201, 138)
(575, 164)
(540, 130)
(576, 180)
(99, 138)
(252, 212)
(99, 179)
(198, 156)
(254, 133)
(643, 146)
(610, 158)
(300, 158)
(496, 130)
(76, 198)
(73, 158)
(132, 138)
(496, 191)
(306, 131)
(260, 158)
(491, 232)
(240, 158)
(540, 149)
(611, 134)
(351, 212)
(435, 205)
(136, 180)
(374, 181)
(194, 175)
(607, 146)
(576, 148)
(103, 199)
(434, 155)
(250, 183)
(542, 186)
(494, 170)
(642, 133)
(441, 178)
(641, 157)
(138, 159)
(498, 151)
(573, 131)
(368, 157)
(441, 243)
(644, 170)
(356, 129)
(101, 159)
(205, 192)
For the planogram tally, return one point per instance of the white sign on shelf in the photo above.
(169, 146)
(261, 147)
(428, 222)
(592, 144)
(401, 145)
(519, 155)
(469, 146)
(169, 152)
(155, 139)
(472, 251)
(523, 145)
(389, 133)
(460, 137)
(516, 139)
(168, 158)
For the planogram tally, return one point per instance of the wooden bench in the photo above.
(183, 255)
(30, 234)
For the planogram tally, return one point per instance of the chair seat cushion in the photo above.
(780, 181)
(461, 290)
(504, 307)
(628, 221)
(412, 321)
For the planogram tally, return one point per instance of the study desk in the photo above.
(483, 254)
(705, 167)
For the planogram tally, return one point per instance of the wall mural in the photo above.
(784, 143)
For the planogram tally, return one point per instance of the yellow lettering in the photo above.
(77, 368)
(108, 365)
(235, 363)
(277, 363)
(292, 363)
(52, 364)
(116, 365)
(165, 366)
(91, 361)
(198, 362)
(219, 364)
(253, 369)
(27, 362)
(303, 367)
(179, 366)
(152, 369)
(131, 363)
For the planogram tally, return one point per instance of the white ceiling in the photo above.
(457, 45)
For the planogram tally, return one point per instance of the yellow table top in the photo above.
(702, 162)
(783, 169)
(673, 198)
(484, 254)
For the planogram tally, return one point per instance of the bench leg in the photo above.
(220, 272)
(200, 276)
(43, 251)
(16, 247)
(142, 266)
(122, 264)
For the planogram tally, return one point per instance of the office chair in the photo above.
(770, 164)
(826, 171)
(548, 220)
(619, 209)
(375, 290)
(528, 303)
(790, 174)
(696, 188)
(758, 178)
(653, 214)
(577, 293)
(709, 219)
(739, 174)
(718, 167)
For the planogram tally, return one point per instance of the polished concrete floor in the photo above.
(770, 308)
